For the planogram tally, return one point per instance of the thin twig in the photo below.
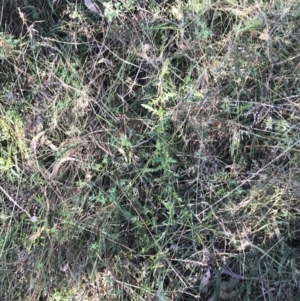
(13, 201)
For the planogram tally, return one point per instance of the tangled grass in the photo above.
(151, 151)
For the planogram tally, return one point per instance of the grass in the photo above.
(150, 152)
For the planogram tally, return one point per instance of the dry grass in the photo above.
(150, 152)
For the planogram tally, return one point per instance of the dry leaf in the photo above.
(176, 13)
(204, 282)
(264, 36)
(34, 141)
(64, 268)
(122, 152)
(146, 47)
